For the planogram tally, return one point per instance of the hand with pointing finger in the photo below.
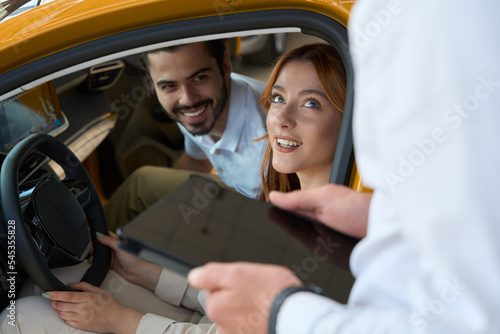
(239, 295)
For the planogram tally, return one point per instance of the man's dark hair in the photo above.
(216, 48)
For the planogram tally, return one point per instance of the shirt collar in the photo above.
(236, 118)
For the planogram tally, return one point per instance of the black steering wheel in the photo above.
(50, 219)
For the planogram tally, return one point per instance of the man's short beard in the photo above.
(199, 128)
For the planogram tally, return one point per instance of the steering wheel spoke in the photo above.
(39, 238)
(80, 190)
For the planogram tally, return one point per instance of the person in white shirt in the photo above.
(427, 83)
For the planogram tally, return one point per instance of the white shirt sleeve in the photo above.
(427, 140)
(154, 324)
(299, 304)
(174, 289)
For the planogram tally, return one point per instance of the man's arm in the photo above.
(187, 162)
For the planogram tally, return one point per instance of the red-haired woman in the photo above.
(305, 97)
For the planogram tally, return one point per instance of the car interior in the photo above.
(103, 111)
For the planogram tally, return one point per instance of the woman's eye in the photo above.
(277, 99)
(312, 104)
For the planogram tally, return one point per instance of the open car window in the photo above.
(109, 92)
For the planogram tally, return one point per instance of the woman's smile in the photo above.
(286, 145)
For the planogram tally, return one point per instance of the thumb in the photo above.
(207, 277)
(304, 202)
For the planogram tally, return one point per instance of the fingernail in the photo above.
(99, 235)
(46, 295)
(194, 274)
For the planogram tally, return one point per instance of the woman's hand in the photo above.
(132, 268)
(94, 310)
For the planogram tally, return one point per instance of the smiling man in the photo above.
(219, 115)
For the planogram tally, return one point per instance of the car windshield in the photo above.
(11, 8)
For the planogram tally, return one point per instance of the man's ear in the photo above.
(226, 65)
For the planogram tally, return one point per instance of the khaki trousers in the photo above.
(142, 189)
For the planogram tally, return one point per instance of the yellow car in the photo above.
(70, 69)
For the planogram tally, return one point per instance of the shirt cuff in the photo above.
(153, 324)
(301, 312)
(171, 287)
